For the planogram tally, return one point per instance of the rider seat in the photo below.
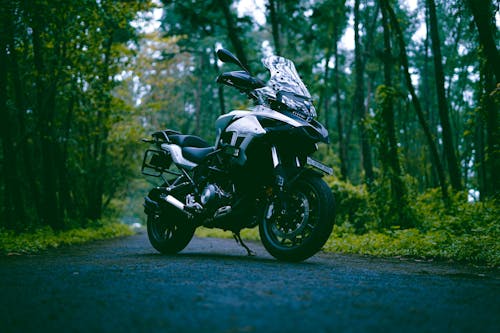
(195, 154)
(188, 141)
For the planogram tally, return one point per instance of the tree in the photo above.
(200, 28)
(61, 59)
(332, 16)
(233, 32)
(448, 146)
(359, 99)
(13, 196)
(482, 11)
(489, 156)
(389, 156)
(273, 9)
(436, 161)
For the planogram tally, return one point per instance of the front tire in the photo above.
(305, 227)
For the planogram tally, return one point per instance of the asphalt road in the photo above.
(212, 286)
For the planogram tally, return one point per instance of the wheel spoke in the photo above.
(168, 233)
(292, 230)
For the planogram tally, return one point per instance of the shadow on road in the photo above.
(221, 256)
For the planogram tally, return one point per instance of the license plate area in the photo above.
(320, 166)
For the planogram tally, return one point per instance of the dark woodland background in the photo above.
(412, 107)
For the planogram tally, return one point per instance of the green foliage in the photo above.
(468, 231)
(353, 206)
(71, 139)
(363, 211)
(250, 234)
(45, 237)
(480, 247)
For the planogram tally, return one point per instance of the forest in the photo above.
(409, 92)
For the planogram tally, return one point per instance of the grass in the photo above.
(46, 238)
(470, 234)
(412, 243)
(408, 243)
(250, 234)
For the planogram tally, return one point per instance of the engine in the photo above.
(213, 195)
(212, 203)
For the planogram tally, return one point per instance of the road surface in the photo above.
(124, 285)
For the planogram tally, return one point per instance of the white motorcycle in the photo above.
(259, 173)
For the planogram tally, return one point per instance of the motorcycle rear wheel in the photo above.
(170, 232)
(305, 228)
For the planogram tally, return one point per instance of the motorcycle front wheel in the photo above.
(169, 232)
(304, 226)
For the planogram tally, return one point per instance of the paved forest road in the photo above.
(212, 286)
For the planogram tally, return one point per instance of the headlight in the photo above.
(299, 105)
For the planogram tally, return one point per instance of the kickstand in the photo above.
(238, 240)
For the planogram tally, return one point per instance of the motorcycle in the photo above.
(258, 173)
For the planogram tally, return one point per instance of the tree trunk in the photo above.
(100, 161)
(323, 106)
(340, 123)
(432, 176)
(487, 115)
(416, 103)
(359, 107)
(12, 215)
(389, 146)
(483, 18)
(45, 100)
(273, 7)
(449, 148)
(232, 33)
(479, 148)
(198, 96)
(220, 87)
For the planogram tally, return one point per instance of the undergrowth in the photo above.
(45, 238)
(464, 231)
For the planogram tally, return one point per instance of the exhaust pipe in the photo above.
(174, 202)
(179, 205)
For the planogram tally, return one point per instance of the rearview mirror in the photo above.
(226, 56)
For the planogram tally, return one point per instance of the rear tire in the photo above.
(170, 231)
(305, 228)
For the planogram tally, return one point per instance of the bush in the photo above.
(467, 231)
(353, 206)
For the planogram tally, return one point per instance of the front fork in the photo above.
(280, 206)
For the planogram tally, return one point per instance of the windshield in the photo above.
(286, 87)
(284, 76)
